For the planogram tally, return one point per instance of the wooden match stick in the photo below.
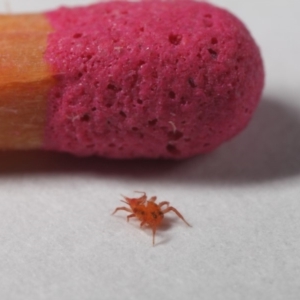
(25, 80)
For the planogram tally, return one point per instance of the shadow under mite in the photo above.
(269, 149)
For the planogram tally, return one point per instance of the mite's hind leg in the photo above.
(142, 223)
(153, 235)
(164, 203)
(122, 208)
(171, 208)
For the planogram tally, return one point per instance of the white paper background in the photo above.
(59, 241)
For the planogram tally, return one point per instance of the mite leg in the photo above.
(152, 199)
(171, 208)
(139, 192)
(143, 198)
(122, 208)
(126, 198)
(142, 223)
(130, 216)
(153, 231)
(164, 203)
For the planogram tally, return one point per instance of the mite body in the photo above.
(148, 212)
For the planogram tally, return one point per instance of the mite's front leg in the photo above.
(130, 216)
(122, 208)
(152, 199)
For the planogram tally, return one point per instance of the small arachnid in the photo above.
(148, 212)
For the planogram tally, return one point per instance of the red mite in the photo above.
(148, 212)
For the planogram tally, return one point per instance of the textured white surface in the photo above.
(59, 241)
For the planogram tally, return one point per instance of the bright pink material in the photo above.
(149, 79)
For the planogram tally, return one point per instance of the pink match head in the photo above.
(149, 79)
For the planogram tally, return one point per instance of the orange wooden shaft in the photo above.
(25, 80)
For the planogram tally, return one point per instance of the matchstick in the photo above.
(127, 80)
